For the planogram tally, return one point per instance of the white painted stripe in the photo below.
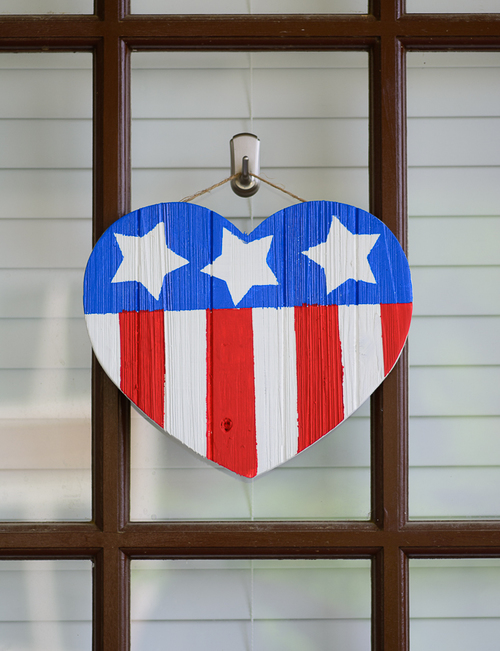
(104, 333)
(276, 417)
(360, 330)
(186, 378)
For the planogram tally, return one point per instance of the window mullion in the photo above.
(111, 201)
(110, 408)
(388, 202)
(389, 403)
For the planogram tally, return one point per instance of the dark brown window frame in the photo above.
(388, 539)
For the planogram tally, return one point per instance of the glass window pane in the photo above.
(46, 605)
(243, 604)
(45, 239)
(47, 7)
(454, 604)
(310, 111)
(454, 199)
(452, 6)
(249, 7)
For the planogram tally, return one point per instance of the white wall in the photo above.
(45, 239)
(454, 604)
(454, 206)
(46, 605)
(310, 111)
(248, 7)
(242, 605)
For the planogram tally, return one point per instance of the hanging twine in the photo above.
(234, 176)
(212, 187)
(279, 188)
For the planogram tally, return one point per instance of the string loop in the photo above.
(230, 178)
(212, 187)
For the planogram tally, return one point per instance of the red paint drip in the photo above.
(231, 436)
(395, 325)
(319, 372)
(143, 361)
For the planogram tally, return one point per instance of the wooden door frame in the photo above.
(389, 540)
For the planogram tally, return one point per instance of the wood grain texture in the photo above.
(292, 326)
(106, 33)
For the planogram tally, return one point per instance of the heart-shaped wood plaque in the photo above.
(248, 348)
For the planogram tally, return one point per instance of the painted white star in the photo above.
(147, 259)
(242, 265)
(343, 255)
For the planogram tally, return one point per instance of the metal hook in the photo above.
(245, 161)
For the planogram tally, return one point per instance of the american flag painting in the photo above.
(248, 348)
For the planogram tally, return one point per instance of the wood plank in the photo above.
(288, 93)
(190, 93)
(465, 291)
(45, 243)
(452, 91)
(286, 493)
(347, 446)
(46, 591)
(45, 393)
(47, 7)
(353, 634)
(57, 636)
(40, 293)
(50, 495)
(303, 142)
(461, 634)
(24, 60)
(452, 59)
(451, 6)
(242, 7)
(313, 493)
(47, 143)
(45, 444)
(454, 341)
(333, 184)
(451, 141)
(44, 343)
(454, 391)
(46, 93)
(458, 590)
(453, 191)
(46, 193)
(224, 93)
(454, 441)
(471, 240)
(241, 59)
(280, 591)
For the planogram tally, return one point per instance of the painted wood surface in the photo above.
(445, 232)
(248, 348)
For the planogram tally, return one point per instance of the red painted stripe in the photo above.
(319, 372)
(396, 319)
(210, 379)
(143, 361)
(231, 433)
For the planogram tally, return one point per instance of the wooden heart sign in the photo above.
(248, 348)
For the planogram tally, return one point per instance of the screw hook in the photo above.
(245, 161)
